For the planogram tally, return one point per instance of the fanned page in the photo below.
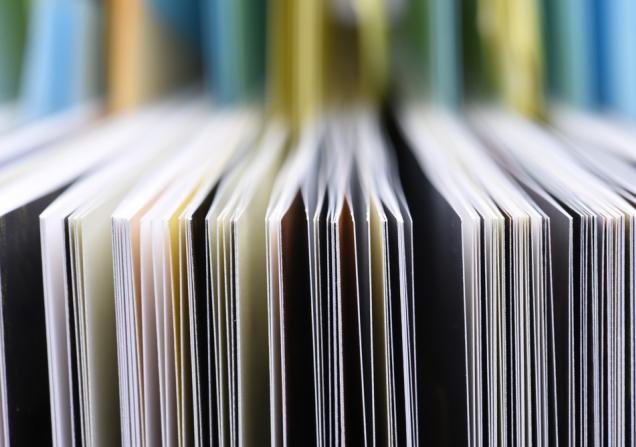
(275, 223)
(25, 199)
(403, 279)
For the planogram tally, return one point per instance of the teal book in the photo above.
(234, 33)
(572, 46)
(445, 51)
(182, 16)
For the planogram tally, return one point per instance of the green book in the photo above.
(13, 21)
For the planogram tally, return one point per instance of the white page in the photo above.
(146, 197)
(52, 228)
(298, 167)
(215, 255)
(28, 138)
(233, 134)
(244, 255)
(131, 309)
(92, 222)
(603, 216)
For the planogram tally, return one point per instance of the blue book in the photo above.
(63, 62)
(619, 47)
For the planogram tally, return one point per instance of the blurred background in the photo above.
(297, 57)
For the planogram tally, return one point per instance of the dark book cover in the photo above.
(24, 330)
